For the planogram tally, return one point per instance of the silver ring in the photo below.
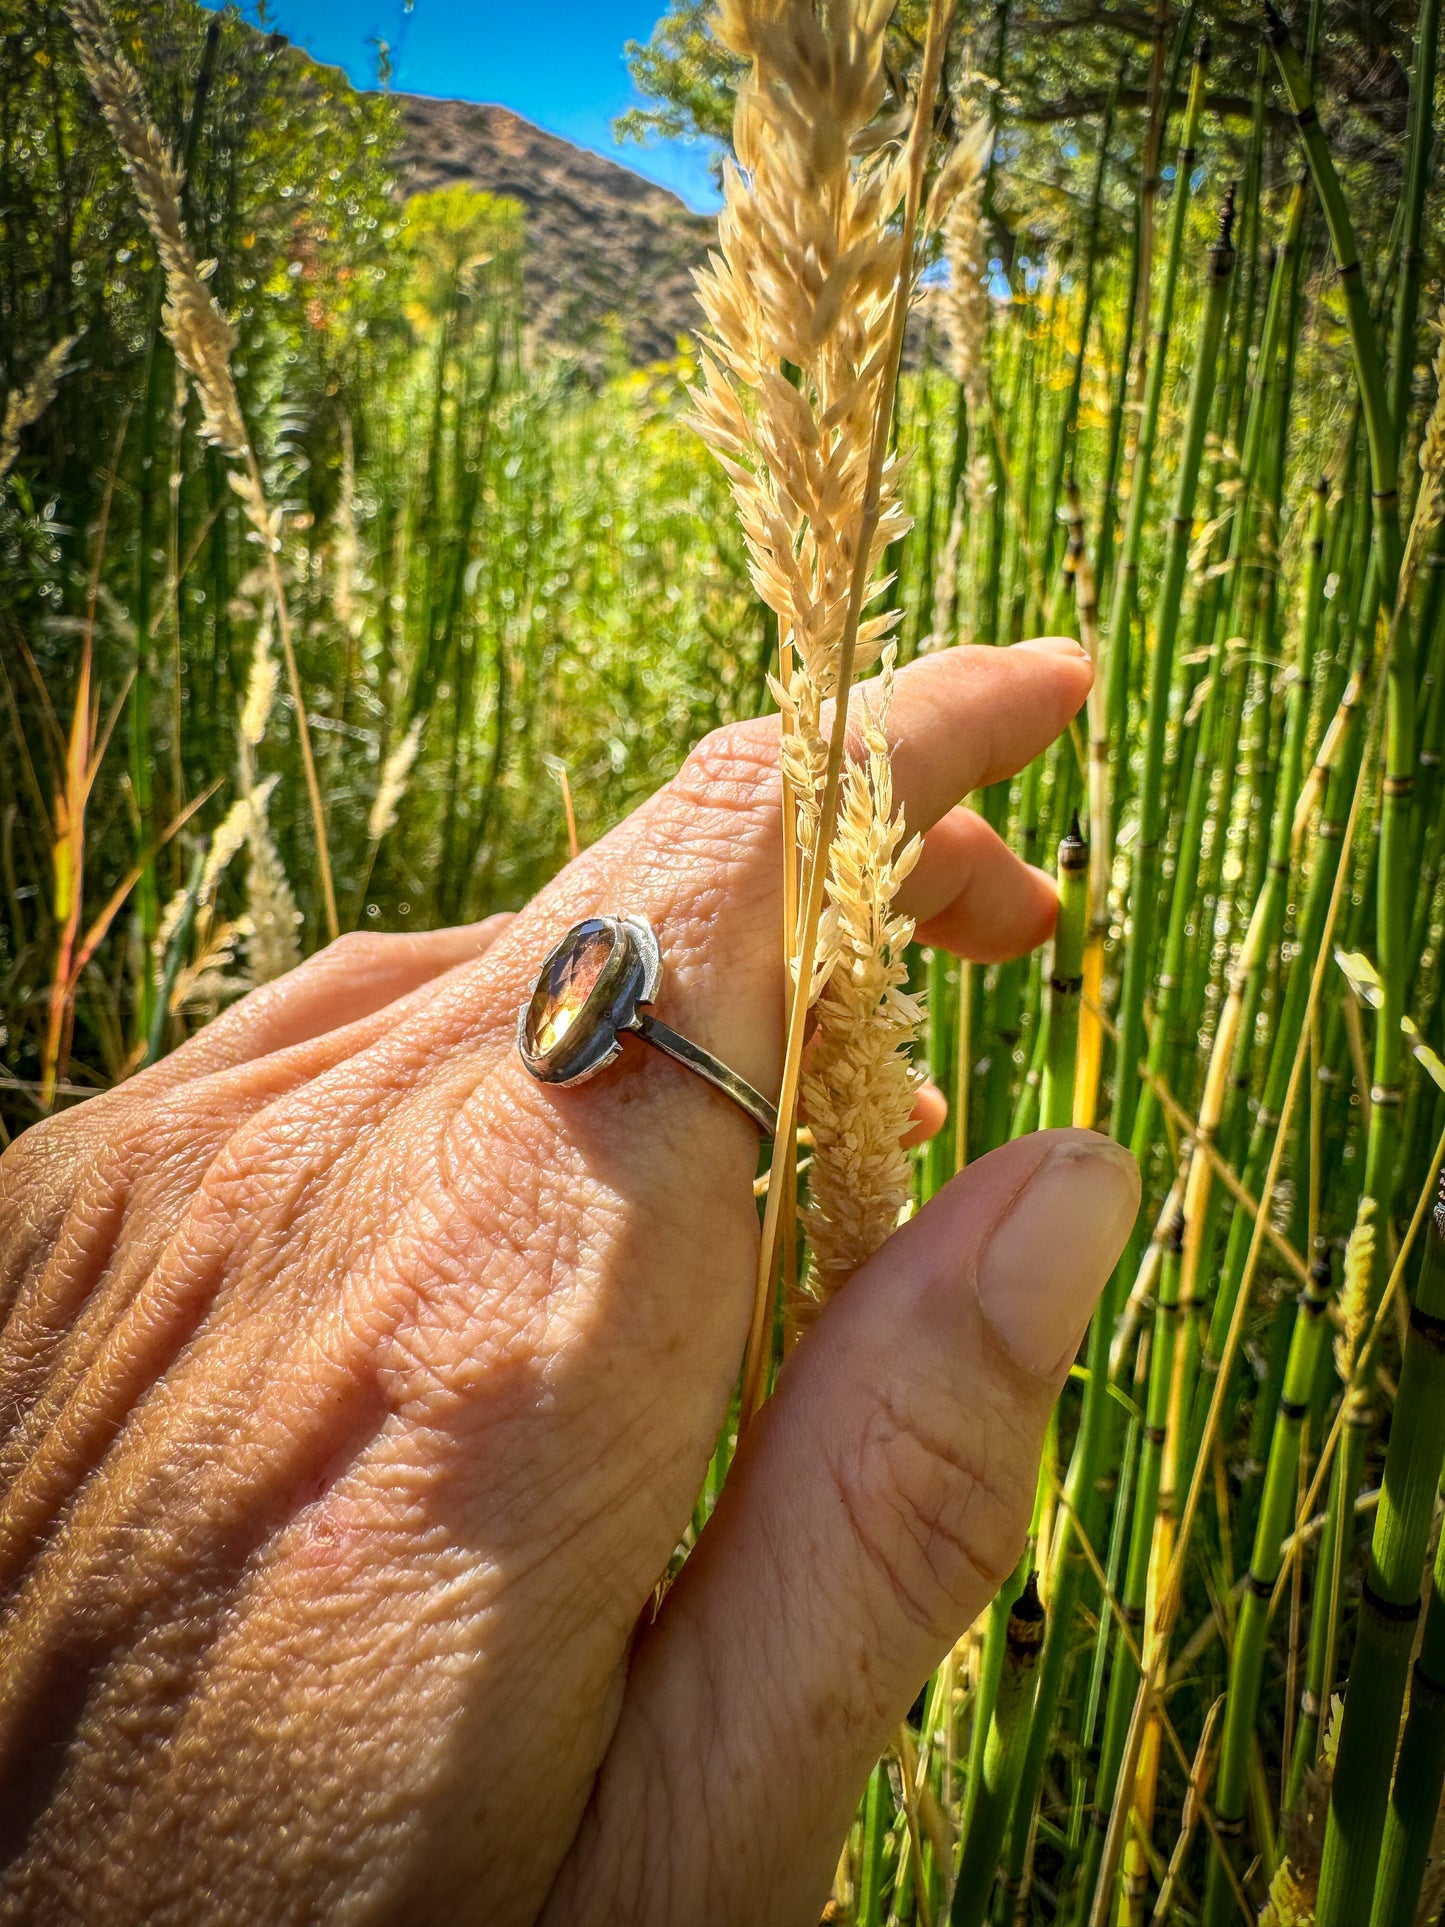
(595, 986)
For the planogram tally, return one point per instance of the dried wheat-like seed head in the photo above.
(260, 693)
(860, 1081)
(27, 403)
(392, 788)
(198, 331)
(1353, 1311)
(272, 942)
(798, 297)
(965, 302)
(1431, 498)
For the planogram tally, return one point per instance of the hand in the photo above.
(356, 1390)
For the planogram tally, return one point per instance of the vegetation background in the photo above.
(1141, 404)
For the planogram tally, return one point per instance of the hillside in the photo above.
(605, 248)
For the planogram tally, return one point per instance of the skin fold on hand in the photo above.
(355, 1390)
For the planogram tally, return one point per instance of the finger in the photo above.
(876, 1506)
(359, 973)
(965, 718)
(930, 1110)
(971, 895)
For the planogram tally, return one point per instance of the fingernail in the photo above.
(1055, 646)
(1050, 1255)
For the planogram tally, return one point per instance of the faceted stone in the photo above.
(566, 984)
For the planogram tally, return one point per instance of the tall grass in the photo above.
(1196, 422)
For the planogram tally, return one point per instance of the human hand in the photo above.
(356, 1389)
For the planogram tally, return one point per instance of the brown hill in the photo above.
(608, 253)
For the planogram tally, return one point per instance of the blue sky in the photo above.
(561, 65)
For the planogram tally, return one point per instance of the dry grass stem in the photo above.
(860, 1081)
(25, 405)
(201, 337)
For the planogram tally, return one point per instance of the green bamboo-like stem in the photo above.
(1353, 1834)
(1251, 566)
(1124, 1678)
(1417, 181)
(877, 1814)
(1144, 888)
(1065, 432)
(1002, 1757)
(1307, 1346)
(1121, 612)
(1066, 980)
(1083, 1498)
(1419, 1772)
(1390, 1605)
(1275, 901)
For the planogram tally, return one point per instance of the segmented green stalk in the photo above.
(1001, 1758)
(1121, 614)
(1307, 1347)
(1131, 1108)
(1124, 1678)
(1390, 1604)
(1066, 980)
(1419, 1772)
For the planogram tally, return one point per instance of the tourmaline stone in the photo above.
(565, 985)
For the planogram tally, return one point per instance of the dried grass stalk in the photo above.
(26, 404)
(1430, 501)
(272, 921)
(806, 299)
(860, 1081)
(804, 280)
(964, 308)
(202, 338)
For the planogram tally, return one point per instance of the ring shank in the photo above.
(683, 1051)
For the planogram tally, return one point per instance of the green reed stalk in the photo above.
(1144, 886)
(1066, 427)
(1419, 1772)
(1307, 1348)
(1417, 180)
(991, 1793)
(1066, 981)
(1124, 1678)
(1121, 613)
(1083, 1500)
(1274, 903)
(1390, 1605)
(1393, 888)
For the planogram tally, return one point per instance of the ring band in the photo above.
(594, 986)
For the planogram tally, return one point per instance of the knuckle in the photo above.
(733, 769)
(357, 951)
(938, 1511)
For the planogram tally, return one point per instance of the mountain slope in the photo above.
(608, 253)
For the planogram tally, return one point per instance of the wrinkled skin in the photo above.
(355, 1390)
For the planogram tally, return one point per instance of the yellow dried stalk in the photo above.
(965, 303)
(197, 330)
(1431, 499)
(804, 278)
(27, 403)
(964, 307)
(809, 276)
(1353, 1312)
(272, 919)
(201, 337)
(860, 1082)
(395, 775)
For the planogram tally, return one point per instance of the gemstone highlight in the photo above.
(565, 985)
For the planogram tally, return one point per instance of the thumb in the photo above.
(874, 1509)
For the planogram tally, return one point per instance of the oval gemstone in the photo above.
(565, 985)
